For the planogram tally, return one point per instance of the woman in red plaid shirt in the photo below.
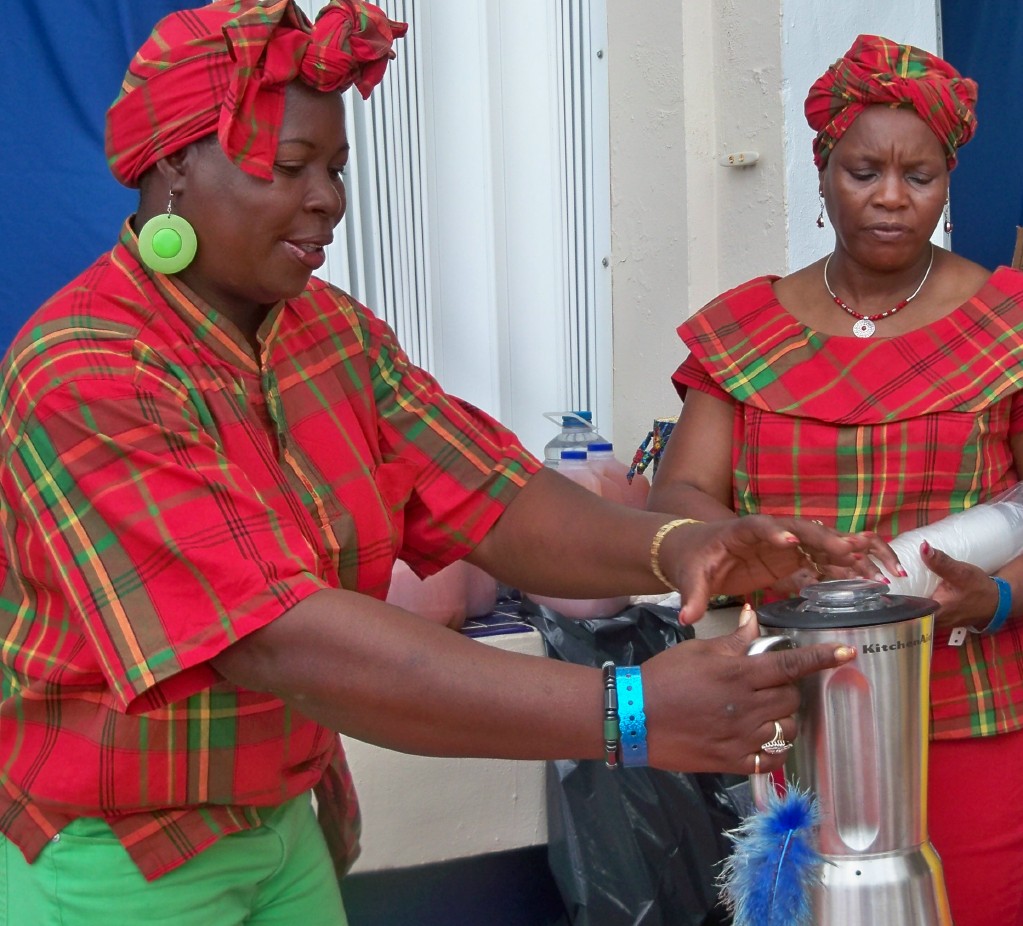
(210, 462)
(881, 388)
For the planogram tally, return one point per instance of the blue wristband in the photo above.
(1001, 614)
(631, 717)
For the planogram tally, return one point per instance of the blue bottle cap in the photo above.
(571, 421)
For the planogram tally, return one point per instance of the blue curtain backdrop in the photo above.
(60, 69)
(985, 41)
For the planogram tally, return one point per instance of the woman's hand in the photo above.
(812, 573)
(966, 596)
(709, 706)
(748, 553)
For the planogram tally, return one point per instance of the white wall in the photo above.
(702, 85)
(651, 222)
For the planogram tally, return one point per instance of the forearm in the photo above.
(376, 673)
(687, 501)
(557, 538)
(379, 674)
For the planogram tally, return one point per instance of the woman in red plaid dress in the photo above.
(881, 388)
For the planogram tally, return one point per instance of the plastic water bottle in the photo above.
(577, 432)
(575, 465)
(601, 460)
(614, 476)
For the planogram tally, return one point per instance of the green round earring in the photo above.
(167, 242)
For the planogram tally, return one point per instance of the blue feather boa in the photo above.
(769, 878)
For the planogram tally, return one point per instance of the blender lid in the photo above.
(843, 603)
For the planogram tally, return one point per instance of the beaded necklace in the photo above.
(864, 325)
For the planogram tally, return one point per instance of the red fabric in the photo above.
(224, 67)
(975, 792)
(876, 70)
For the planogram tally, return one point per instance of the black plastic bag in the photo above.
(633, 846)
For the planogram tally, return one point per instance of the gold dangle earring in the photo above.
(820, 218)
(948, 219)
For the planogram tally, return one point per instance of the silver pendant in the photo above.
(863, 328)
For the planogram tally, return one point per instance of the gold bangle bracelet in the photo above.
(655, 548)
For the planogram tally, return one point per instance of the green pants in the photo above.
(277, 875)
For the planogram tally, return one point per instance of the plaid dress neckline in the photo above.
(762, 356)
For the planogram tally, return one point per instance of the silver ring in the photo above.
(777, 745)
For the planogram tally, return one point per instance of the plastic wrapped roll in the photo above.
(987, 536)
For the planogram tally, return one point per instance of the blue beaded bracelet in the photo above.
(1001, 614)
(631, 717)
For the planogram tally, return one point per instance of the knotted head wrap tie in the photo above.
(876, 70)
(225, 67)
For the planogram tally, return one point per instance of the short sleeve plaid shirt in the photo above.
(879, 434)
(164, 493)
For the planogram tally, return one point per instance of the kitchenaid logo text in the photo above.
(888, 647)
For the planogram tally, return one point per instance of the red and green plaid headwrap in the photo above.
(224, 68)
(877, 70)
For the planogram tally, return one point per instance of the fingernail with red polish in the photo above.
(925, 548)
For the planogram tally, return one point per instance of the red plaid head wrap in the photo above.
(877, 70)
(224, 68)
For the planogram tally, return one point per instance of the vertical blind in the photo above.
(383, 255)
(380, 254)
(586, 207)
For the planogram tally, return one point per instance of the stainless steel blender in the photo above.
(862, 751)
